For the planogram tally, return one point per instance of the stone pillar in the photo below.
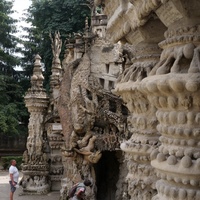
(54, 136)
(79, 46)
(35, 167)
(142, 121)
(142, 125)
(173, 88)
(56, 72)
(55, 140)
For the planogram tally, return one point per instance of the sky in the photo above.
(20, 6)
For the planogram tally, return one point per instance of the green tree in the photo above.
(8, 42)
(12, 108)
(47, 16)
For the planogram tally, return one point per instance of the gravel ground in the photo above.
(5, 190)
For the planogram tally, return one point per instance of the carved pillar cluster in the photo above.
(142, 123)
(174, 90)
(35, 167)
(142, 120)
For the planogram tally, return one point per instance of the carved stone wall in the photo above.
(134, 101)
(91, 107)
(82, 123)
(98, 116)
(170, 86)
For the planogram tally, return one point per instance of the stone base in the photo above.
(36, 190)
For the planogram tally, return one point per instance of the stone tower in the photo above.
(35, 167)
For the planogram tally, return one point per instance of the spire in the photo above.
(37, 77)
(56, 69)
(56, 45)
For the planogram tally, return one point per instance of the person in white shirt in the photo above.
(14, 175)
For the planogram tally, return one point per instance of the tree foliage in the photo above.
(44, 16)
(47, 16)
(12, 108)
(8, 42)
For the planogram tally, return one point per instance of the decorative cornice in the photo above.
(130, 17)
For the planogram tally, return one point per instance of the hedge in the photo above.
(6, 161)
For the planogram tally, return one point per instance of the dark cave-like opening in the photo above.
(107, 175)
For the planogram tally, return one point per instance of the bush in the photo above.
(6, 161)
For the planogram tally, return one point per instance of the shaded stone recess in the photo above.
(123, 109)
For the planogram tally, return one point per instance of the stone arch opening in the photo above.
(107, 175)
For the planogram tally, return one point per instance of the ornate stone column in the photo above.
(142, 126)
(35, 167)
(53, 127)
(129, 23)
(173, 88)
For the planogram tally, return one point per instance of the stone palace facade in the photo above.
(124, 105)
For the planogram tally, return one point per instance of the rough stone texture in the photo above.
(98, 123)
(170, 86)
(127, 96)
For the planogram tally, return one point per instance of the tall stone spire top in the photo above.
(56, 45)
(37, 77)
(56, 69)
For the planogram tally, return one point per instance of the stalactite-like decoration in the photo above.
(173, 88)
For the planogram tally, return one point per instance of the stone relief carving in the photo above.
(158, 81)
(88, 138)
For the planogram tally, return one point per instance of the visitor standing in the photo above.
(14, 175)
(80, 190)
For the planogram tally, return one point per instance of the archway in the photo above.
(107, 175)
